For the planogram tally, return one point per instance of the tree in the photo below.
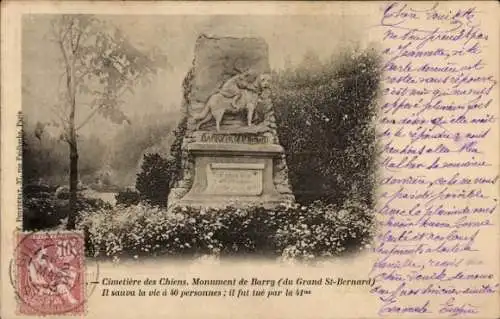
(325, 114)
(100, 66)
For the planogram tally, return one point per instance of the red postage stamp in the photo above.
(49, 273)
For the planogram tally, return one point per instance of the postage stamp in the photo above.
(49, 273)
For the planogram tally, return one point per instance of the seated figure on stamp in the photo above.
(47, 278)
(238, 93)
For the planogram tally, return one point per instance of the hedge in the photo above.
(288, 231)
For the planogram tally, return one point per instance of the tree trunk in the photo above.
(73, 154)
(69, 60)
(73, 183)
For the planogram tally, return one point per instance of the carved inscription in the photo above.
(234, 138)
(242, 179)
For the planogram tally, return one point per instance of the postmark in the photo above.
(49, 273)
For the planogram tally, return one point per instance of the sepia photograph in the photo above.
(245, 159)
(191, 136)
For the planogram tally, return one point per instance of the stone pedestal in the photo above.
(241, 162)
(233, 174)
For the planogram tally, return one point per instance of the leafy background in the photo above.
(325, 103)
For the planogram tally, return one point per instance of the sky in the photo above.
(288, 38)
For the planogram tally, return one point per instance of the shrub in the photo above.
(321, 231)
(128, 197)
(153, 182)
(159, 174)
(85, 204)
(302, 232)
(325, 114)
(47, 211)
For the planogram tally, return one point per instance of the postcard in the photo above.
(250, 159)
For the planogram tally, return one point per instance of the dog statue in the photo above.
(238, 93)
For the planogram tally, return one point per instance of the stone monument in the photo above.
(231, 154)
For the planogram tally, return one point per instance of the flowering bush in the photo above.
(299, 232)
(317, 231)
